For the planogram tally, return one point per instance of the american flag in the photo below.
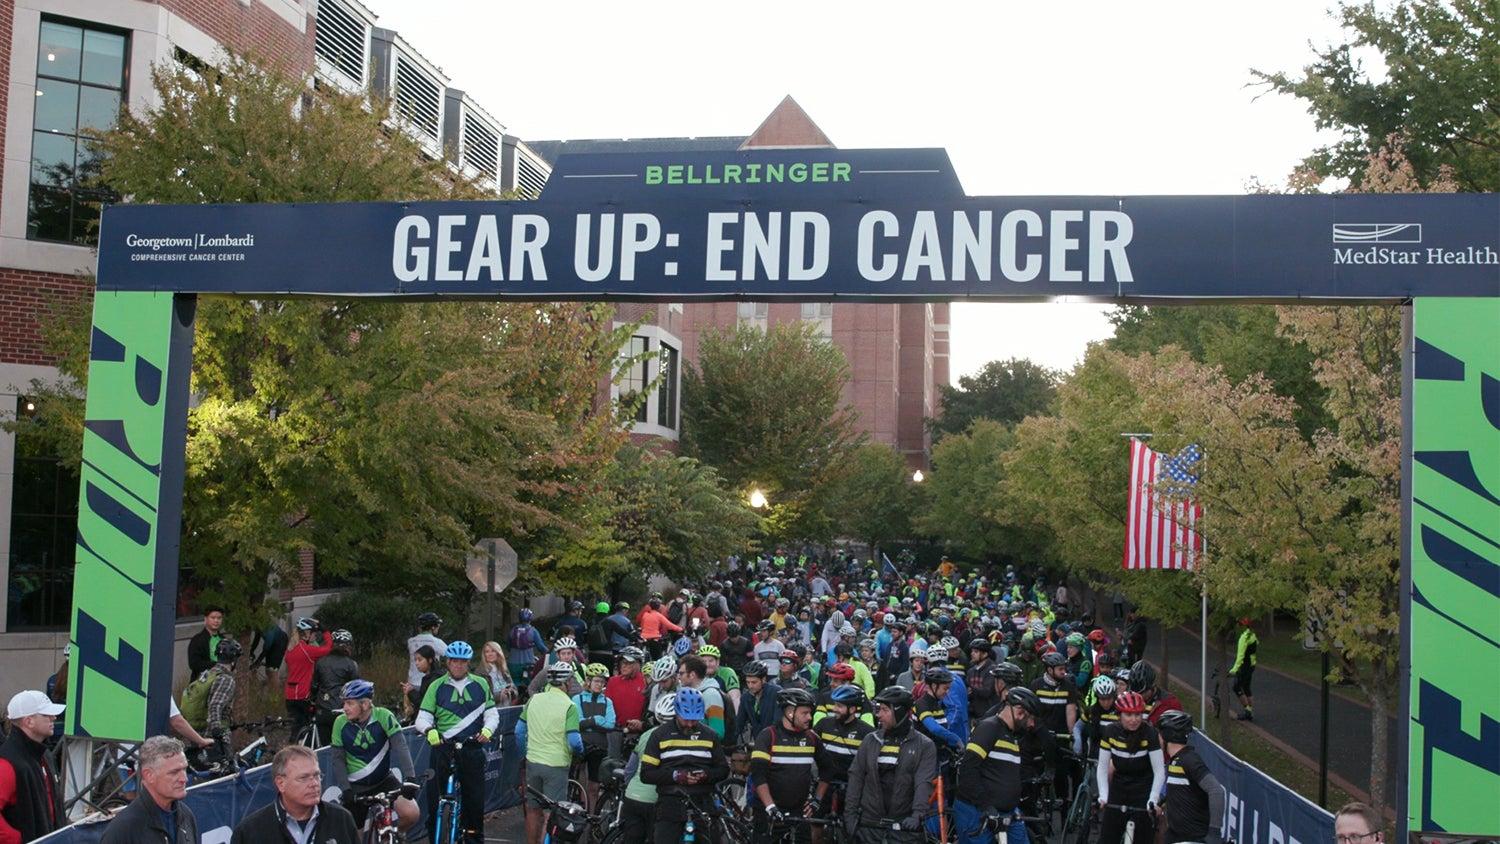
(1160, 526)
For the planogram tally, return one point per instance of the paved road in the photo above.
(1287, 711)
(507, 827)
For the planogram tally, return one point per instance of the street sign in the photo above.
(480, 570)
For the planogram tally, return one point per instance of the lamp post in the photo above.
(917, 477)
(757, 499)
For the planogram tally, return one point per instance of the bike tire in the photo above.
(736, 798)
(578, 794)
(447, 823)
(307, 737)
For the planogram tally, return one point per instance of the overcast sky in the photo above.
(1132, 97)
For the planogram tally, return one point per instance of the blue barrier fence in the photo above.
(1261, 810)
(220, 804)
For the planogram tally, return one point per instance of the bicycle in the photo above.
(1081, 824)
(450, 804)
(1131, 812)
(1000, 825)
(611, 799)
(733, 795)
(566, 820)
(380, 819)
(833, 829)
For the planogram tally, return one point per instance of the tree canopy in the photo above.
(1004, 391)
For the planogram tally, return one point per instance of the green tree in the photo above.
(1004, 391)
(1439, 88)
(971, 503)
(875, 501)
(383, 437)
(764, 408)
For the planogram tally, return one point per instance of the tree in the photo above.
(1004, 391)
(383, 437)
(764, 409)
(875, 500)
(1439, 90)
(971, 504)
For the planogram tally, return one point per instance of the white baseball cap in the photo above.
(31, 702)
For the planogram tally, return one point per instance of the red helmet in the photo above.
(841, 671)
(1130, 702)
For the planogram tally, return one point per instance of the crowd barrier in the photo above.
(220, 804)
(1261, 810)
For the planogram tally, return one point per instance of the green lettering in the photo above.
(841, 171)
(775, 172)
(709, 177)
(674, 174)
(732, 173)
(754, 178)
(798, 172)
(653, 174)
(820, 172)
(692, 176)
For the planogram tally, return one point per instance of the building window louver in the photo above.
(340, 40)
(529, 178)
(481, 148)
(417, 98)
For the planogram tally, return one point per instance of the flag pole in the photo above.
(1203, 663)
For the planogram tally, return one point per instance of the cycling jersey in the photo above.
(1134, 758)
(458, 709)
(367, 746)
(783, 760)
(837, 743)
(990, 777)
(1190, 789)
(932, 718)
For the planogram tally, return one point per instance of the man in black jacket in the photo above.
(30, 791)
(163, 771)
(205, 643)
(299, 787)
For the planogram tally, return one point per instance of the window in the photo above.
(754, 313)
(635, 375)
(80, 88)
(666, 389)
(43, 537)
(820, 313)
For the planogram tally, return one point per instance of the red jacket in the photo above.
(299, 667)
(628, 696)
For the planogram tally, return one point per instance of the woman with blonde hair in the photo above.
(494, 667)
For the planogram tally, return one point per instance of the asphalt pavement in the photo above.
(1287, 712)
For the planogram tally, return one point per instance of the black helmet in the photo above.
(229, 650)
(1024, 698)
(979, 645)
(732, 629)
(1142, 676)
(428, 619)
(1009, 672)
(1052, 659)
(755, 668)
(1175, 725)
(898, 698)
(575, 606)
(938, 675)
(794, 697)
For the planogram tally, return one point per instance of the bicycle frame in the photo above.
(451, 803)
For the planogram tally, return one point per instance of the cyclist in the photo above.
(793, 675)
(781, 766)
(638, 807)
(1059, 716)
(1158, 701)
(459, 708)
(548, 735)
(989, 780)
(839, 737)
(1005, 676)
(684, 760)
(757, 704)
(917, 666)
(1195, 799)
(891, 777)
(981, 685)
(663, 679)
(526, 648)
(328, 679)
(1099, 713)
(221, 693)
(1131, 773)
(932, 718)
(369, 754)
(596, 717)
(618, 626)
(312, 644)
(726, 678)
(427, 628)
(691, 673)
(627, 690)
(565, 652)
(1244, 669)
(767, 648)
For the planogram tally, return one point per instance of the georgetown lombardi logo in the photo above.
(1377, 232)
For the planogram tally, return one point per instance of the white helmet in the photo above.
(565, 642)
(664, 668)
(665, 707)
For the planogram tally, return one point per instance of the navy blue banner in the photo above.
(1261, 810)
(219, 805)
(812, 224)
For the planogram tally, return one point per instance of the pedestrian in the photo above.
(427, 628)
(298, 813)
(30, 791)
(204, 644)
(493, 666)
(157, 813)
(1244, 669)
(1119, 605)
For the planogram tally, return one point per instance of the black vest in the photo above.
(38, 807)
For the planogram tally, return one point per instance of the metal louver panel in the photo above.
(340, 40)
(481, 148)
(418, 98)
(530, 179)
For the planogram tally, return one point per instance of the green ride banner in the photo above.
(1454, 597)
(129, 512)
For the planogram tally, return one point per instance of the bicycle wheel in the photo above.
(307, 736)
(447, 822)
(736, 799)
(578, 794)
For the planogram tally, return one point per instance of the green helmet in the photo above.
(602, 608)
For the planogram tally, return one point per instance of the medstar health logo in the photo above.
(1377, 232)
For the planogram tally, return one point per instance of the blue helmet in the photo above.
(682, 646)
(690, 705)
(358, 690)
(525, 615)
(459, 650)
(849, 694)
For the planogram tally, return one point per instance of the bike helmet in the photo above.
(525, 615)
(1108, 658)
(898, 698)
(732, 629)
(1053, 659)
(1009, 672)
(1038, 628)
(709, 650)
(1104, 686)
(949, 643)
(459, 650)
(867, 643)
(1130, 702)
(428, 619)
(979, 645)
(1024, 698)
(843, 650)
(566, 643)
(850, 695)
(358, 690)
(937, 656)
(918, 650)
(690, 706)
(755, 668)
(307, 624)
(682, 646)
(632, 654)
(789, 657)
(766, 625)
(559, 673)
(935, 676)
(575, 606)
(860, 615)
(664, 668)
(602, 608)
(846, 630)
(229, 650)
(666, 707)
(795, 697)
(594, 669)
(1175, 725)
(342, 637)
(841, 671)
(1142, 676)
(1076, 640)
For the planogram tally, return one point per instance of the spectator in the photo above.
(298, 804)
(205, 643)
(148, 819)
(427, 628)
(30, 791)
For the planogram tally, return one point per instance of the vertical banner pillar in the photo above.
(1452, 636)
(130, 514)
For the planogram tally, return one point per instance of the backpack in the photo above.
(674, 612)
(195, 700)
(522, 638)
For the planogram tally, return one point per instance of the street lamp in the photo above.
(757, 499)
(917, 476)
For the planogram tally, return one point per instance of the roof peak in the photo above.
(787, 126)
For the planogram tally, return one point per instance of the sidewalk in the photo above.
(1287, 712)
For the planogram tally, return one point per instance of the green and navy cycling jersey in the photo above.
(367, 746)
(458, 709)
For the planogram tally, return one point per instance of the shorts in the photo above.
(1242, 681)
(547, 779)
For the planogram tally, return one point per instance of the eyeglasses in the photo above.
(1353, 838)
